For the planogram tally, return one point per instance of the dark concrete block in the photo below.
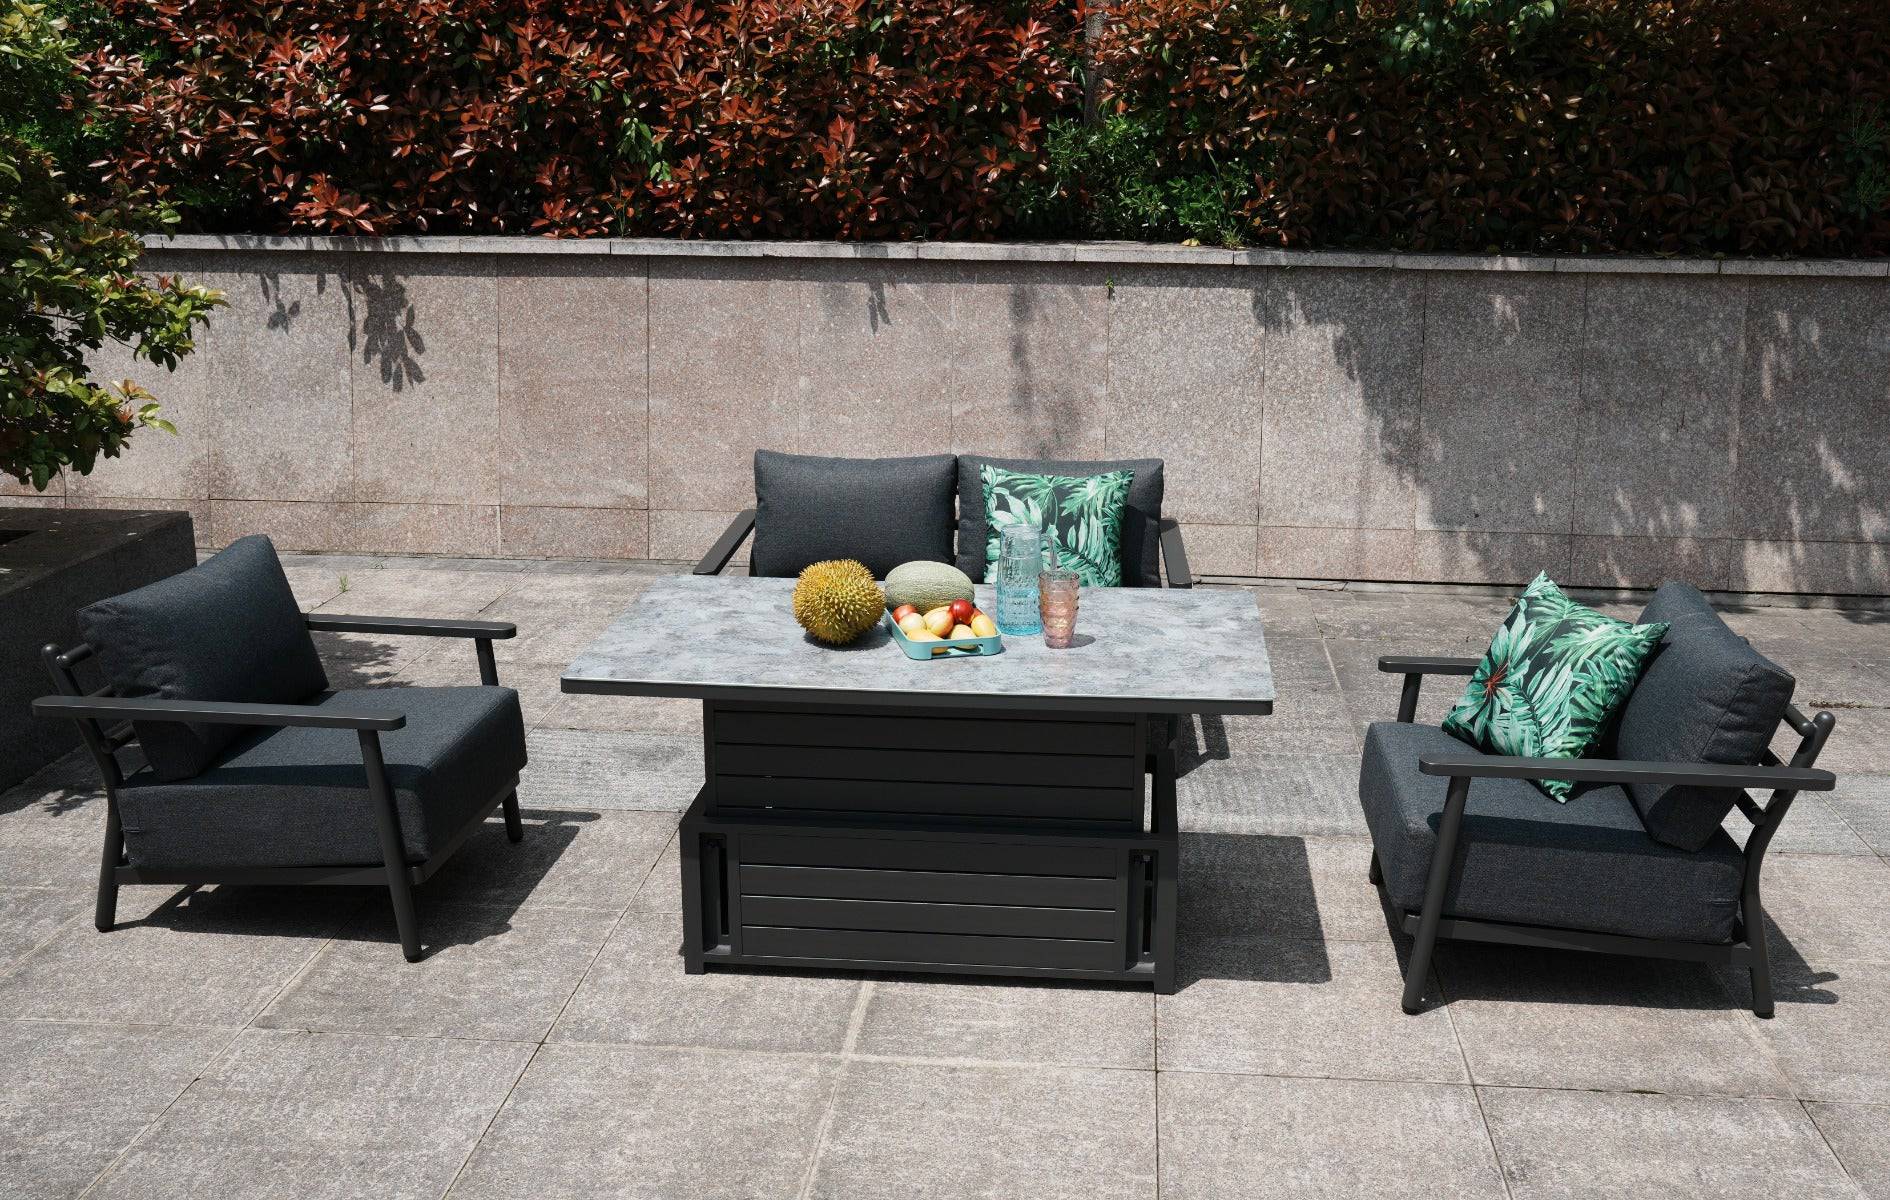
(56, 562)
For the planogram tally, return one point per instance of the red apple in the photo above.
(902, 612)
(961, 611)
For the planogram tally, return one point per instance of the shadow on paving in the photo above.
(483, 884)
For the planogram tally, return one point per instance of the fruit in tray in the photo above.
(947, 623)
(925, 586)
(837, 601)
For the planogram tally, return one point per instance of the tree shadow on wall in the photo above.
(1513, 425)
(383, 329)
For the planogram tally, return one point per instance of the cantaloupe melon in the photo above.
(926, 585)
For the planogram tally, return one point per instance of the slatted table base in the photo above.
(1000, 843)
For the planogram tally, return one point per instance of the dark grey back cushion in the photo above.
(881, 511)
(1141, 515)
(227, 629)
(1707, 697)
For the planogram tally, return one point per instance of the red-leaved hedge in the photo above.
(782, 118)
(1673, 126)
(1681, 126)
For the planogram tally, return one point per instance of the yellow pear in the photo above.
(983, 626)
(961, 631)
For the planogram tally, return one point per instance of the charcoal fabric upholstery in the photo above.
(227, 629)
(881, 511)
(1587, 864)
(298, 797)
(1141, 513)
(1707, 697)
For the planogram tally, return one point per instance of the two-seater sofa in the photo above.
(1637, 861)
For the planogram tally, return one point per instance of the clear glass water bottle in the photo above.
(1020, 560)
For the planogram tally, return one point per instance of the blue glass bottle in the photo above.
(1020, 560)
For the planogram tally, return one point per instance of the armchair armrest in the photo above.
(1175, 555)
(1427, 664)
(1414, 667)
(726, 545)
(411, 626)
(1600, 770)
(212, 712)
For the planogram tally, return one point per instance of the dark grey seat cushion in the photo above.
(298, 797)
(227, 629)
(1141, 514)
(881, 511)
(1707, 697)
(1522, 858)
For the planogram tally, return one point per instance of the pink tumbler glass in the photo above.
(1056, 591)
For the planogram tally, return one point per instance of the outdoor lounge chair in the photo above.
(1636, 864)
(885, 511)
(227, 758)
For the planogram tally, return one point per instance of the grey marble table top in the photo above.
(733, 637)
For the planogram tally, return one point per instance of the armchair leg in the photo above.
(514, 827)
(393, 852)
(1377, 871)
(105, 913)
(1434, 889)
(1753, 915)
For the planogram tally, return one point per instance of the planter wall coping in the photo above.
(1120, 253)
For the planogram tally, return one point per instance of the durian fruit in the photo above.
(837, 601)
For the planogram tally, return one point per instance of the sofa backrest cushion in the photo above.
(1141, 514)
(227, 629)
(1707, 697)
(881, 511)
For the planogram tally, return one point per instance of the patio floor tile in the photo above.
(637, 992)
(490, 973)
(661, 891)
(1304, 794)
(1534, 1018)
(902, 1130)
(1864, 803)
(1021, 1021)
(589, 769)
(1251, 1137)
(1860, 1136)
(312, 1116)
(1830, 906)
(73, 1096)
(215, 958)
(569, 858)
(1305, 1008)
(1280, 887)
(1832, 1031)
(28, 916)
(1587, 1144)
(653, 1123)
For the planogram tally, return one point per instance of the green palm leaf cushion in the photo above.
(1555, 674)
(1082, 516)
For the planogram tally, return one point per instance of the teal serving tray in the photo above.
(933, 651)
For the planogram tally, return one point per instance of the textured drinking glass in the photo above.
(1020, 559)
(1057, 587)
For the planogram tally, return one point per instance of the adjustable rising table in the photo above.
(1004, 815)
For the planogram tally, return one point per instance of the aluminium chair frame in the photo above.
(1175, 570)
(105, 725)
(1748, 946)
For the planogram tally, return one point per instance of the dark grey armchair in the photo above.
(885, 511)
(1636, 863)
(228, 759)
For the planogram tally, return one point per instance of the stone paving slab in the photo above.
(247, 1041)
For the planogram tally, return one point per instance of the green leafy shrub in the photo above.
(1110, 181)
(67, 274)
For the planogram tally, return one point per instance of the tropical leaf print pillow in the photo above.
(1082, 516)
(1555, 674)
